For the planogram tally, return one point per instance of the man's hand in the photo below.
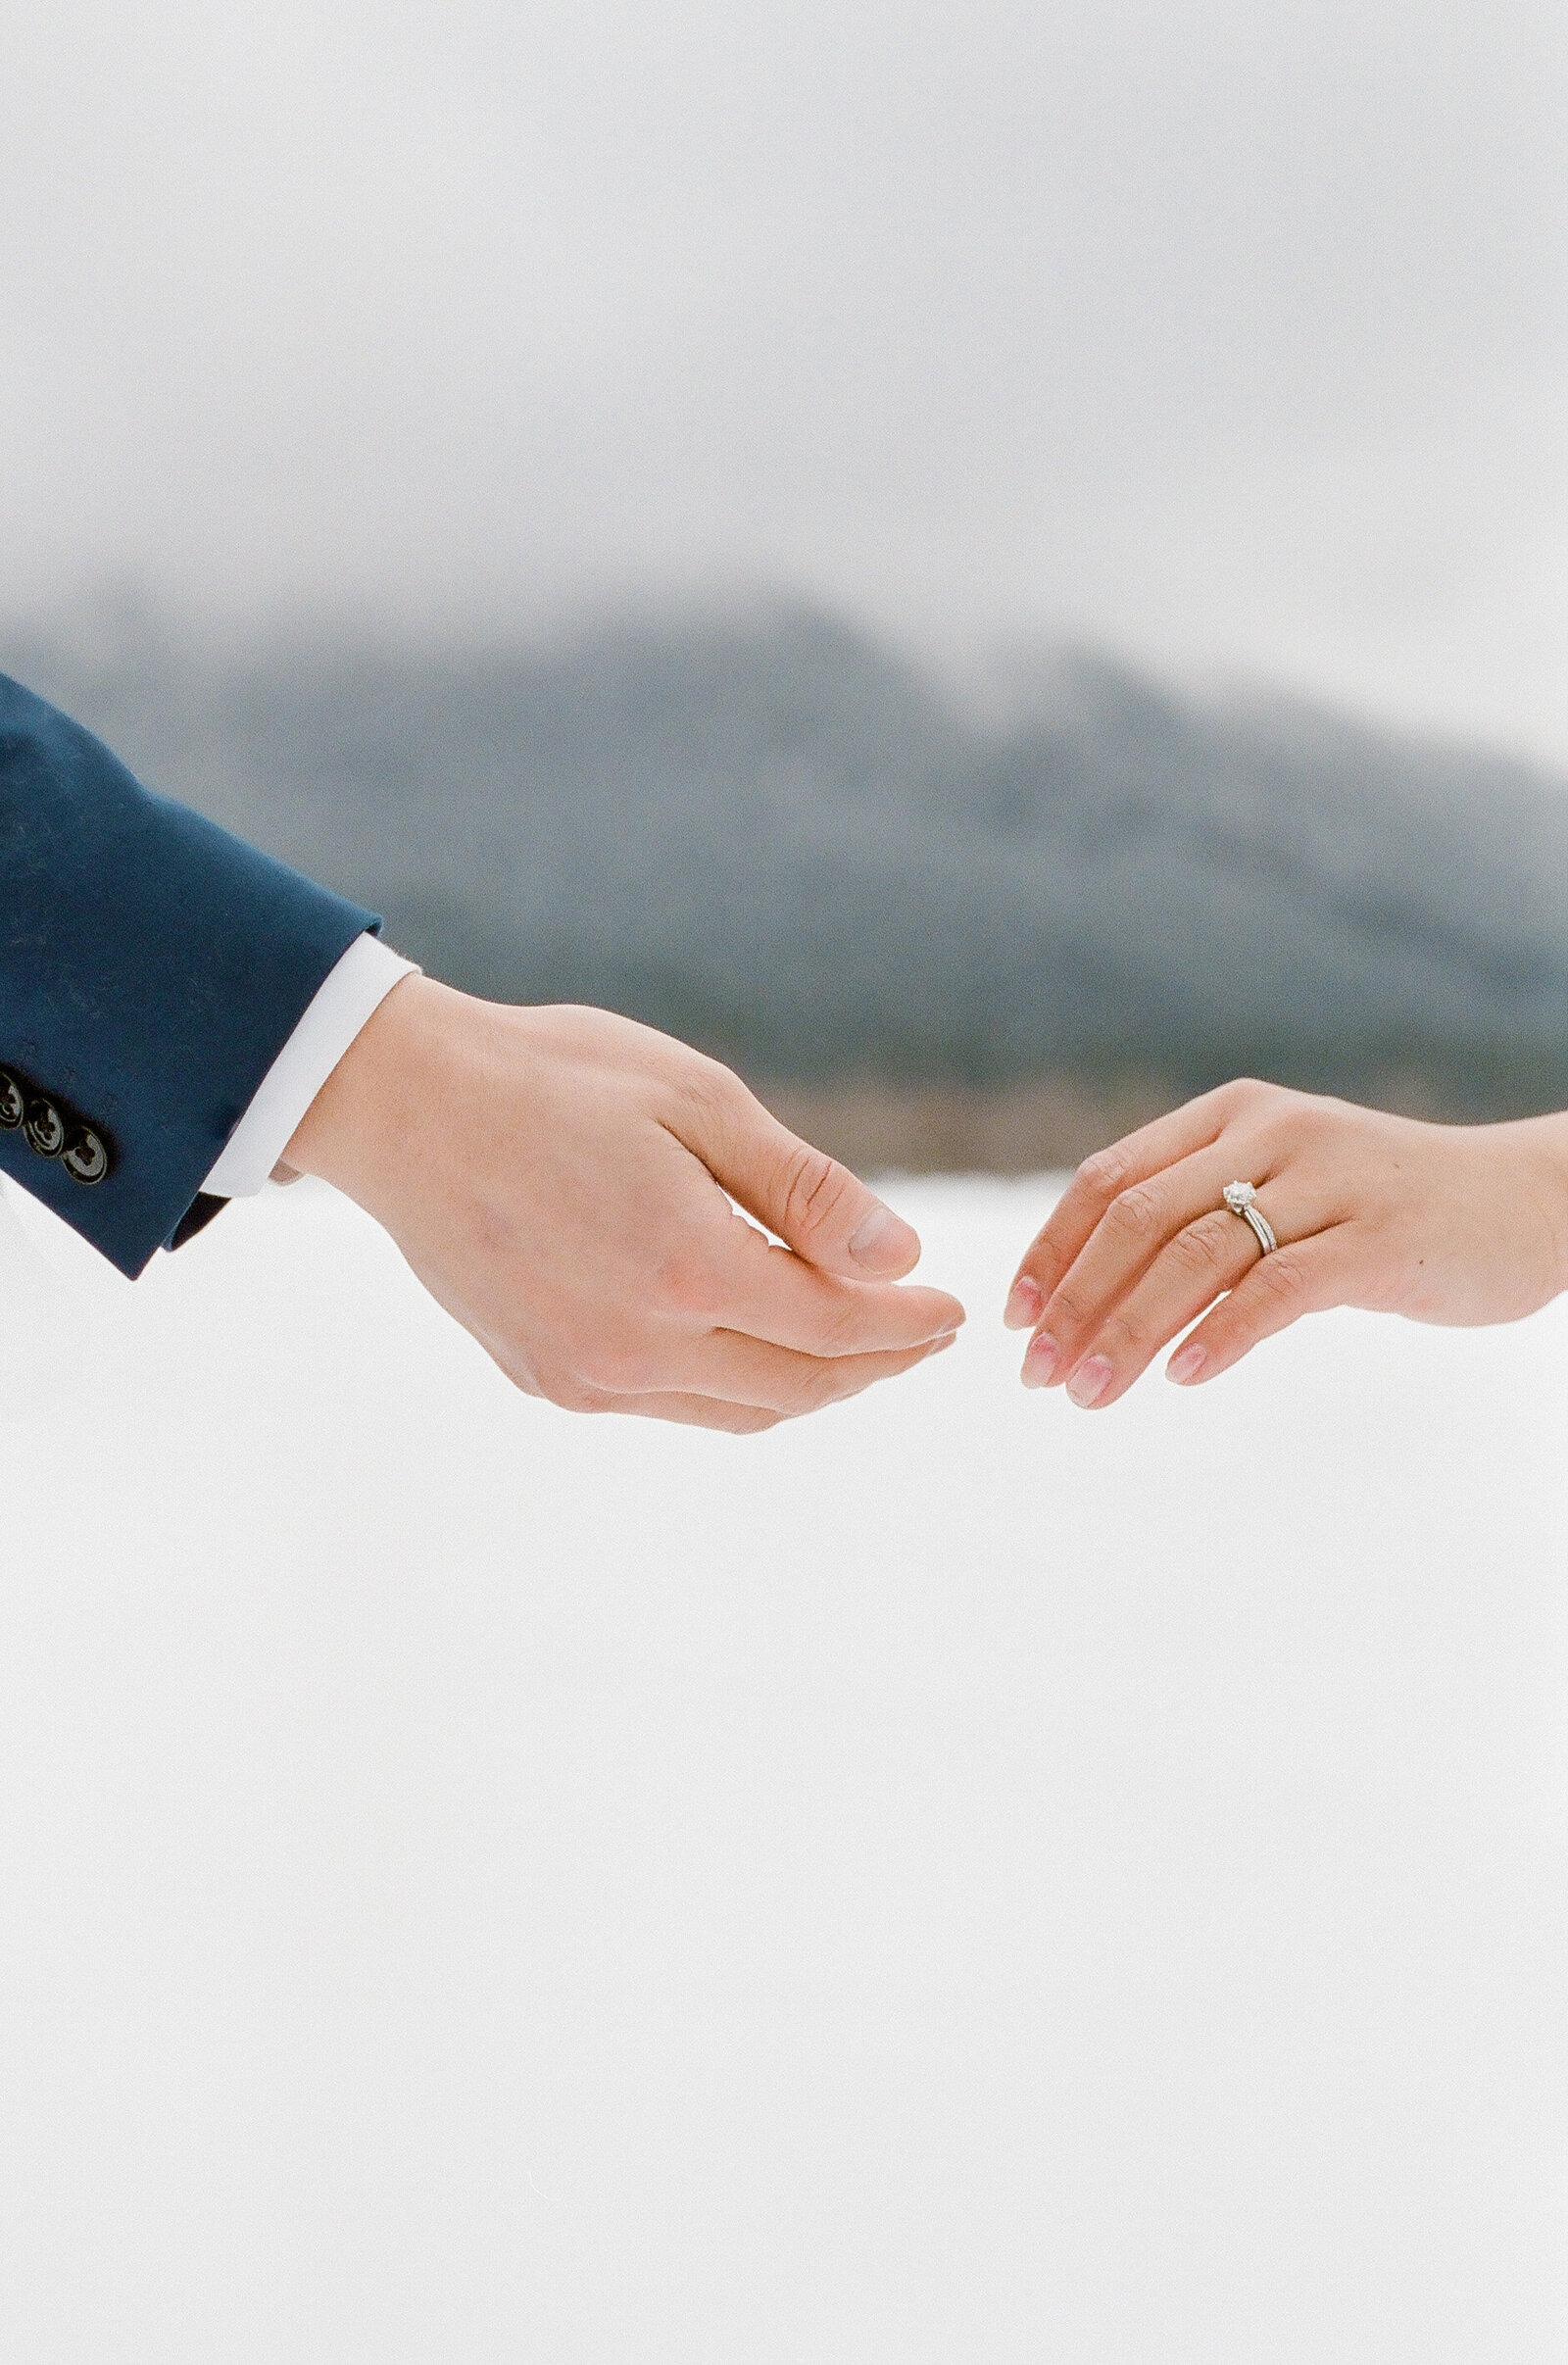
(557, 1180)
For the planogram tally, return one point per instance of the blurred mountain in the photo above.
(781, 840)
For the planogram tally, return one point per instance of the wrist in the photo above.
(366, 1115)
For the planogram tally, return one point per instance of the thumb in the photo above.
(816, 1206)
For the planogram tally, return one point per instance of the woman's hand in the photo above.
(1444, 1224)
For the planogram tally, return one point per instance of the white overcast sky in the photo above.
(1233, 333)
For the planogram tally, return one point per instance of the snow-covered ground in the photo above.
(957, 1880)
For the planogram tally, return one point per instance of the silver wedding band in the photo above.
(1241, 1200)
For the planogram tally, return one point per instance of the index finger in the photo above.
(1066, 1232)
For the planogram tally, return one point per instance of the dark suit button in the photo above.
(85, 1156)
(44, 1128)
(13, 1103)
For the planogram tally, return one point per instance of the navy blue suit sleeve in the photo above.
(152, 967)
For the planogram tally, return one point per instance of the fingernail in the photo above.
(1186, 1364)
(939, 1346)
(1089, 1382)
(1024, 1305)
(1041, 1360)
(883, 1238)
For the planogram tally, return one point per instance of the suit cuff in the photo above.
(348, 997)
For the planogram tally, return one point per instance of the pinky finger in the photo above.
(1306, 1278)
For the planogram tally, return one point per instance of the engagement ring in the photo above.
(1241, 1200)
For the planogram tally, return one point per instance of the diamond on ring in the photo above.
(1241, 1200)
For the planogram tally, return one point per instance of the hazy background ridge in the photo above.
(987, 934)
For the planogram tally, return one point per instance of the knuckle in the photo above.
(1200, 1250)
(842, 1327)
(1124, 1342)
(712, 1088)
(1256, 1102)
(814, 1188)
(814, 1391)
(1068, 1310)
(1282, 1278)
(573, 1395)
(1104, 1174)
(1312, 1122)
(688, 1283)
(1134, 1214)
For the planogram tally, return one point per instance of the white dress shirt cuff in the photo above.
(348, 997)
